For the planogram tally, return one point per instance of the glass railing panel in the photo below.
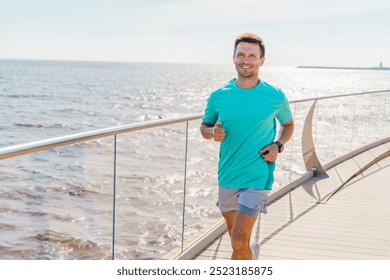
(344, 124)
(386, 115)
(149, 193)
(56, 204)
(290, 164)
(202, 182)
(325, 132)
(379, 117)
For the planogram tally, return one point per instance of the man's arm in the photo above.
(210, 131)
(285, 133)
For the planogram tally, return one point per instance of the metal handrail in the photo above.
(338, 95)
(31, 147)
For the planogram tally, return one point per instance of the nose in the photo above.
(246, 59)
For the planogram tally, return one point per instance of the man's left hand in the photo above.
(270, 152)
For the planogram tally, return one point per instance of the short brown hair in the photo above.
(250, 38)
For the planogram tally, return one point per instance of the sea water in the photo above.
(58, 204)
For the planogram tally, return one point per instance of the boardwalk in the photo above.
(353, 224)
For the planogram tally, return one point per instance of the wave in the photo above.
(57, 245)
(18, 96)
(41, 125)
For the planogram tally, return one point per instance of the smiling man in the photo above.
(242, 115)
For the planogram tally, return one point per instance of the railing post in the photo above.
(308, 149)
(184, 188)
(114, 202)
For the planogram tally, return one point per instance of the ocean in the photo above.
(57, 204)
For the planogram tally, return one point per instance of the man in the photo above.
(241, 115)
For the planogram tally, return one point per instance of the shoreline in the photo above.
(345, 68)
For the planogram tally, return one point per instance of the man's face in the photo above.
(247, 59)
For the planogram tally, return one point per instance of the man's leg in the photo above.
(230, 218)
(240, 235)
(239, 226)
(250, 203)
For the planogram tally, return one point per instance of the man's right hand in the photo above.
(218, 132)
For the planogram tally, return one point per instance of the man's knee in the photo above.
(240, 243)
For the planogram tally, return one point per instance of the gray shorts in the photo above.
(250, 201)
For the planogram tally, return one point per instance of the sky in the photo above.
(351, 33)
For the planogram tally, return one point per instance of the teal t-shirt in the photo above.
(248, 116)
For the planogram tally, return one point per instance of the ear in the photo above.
(262, 60)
